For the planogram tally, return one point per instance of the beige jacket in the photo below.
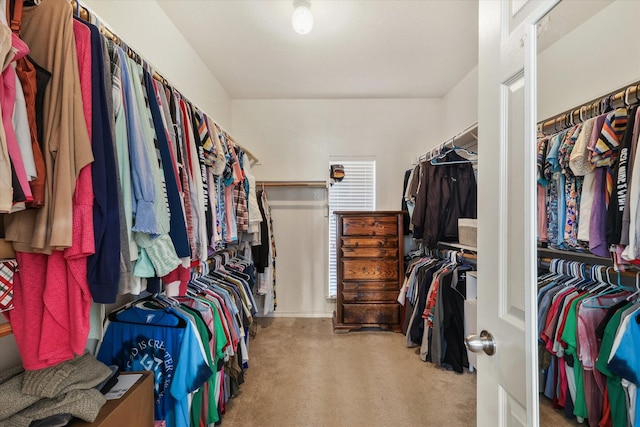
(48, 30)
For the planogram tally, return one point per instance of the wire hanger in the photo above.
(434, 160)
(637, 292)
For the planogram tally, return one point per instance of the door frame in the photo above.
(513, 45)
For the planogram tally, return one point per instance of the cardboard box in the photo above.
(6, 249)
(135, 408)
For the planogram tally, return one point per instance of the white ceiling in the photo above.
(357, 49)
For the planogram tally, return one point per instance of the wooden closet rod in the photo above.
(317, 184)
(86, 14)
(5, 329)
(619, 98)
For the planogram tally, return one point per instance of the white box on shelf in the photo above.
(472, 285)
(468, 231)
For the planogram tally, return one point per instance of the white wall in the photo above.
(294, 140)
(579, 68)
(145, 27)
(460, 106)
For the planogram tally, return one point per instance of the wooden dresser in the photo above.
(370, 270)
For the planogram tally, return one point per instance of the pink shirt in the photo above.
(542, 214)
(590, 314)
(67, 297)
(552, 318)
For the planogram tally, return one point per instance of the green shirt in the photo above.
(199, 396)
(570, 337)
(617, 396)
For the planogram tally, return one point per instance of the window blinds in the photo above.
(356, 192)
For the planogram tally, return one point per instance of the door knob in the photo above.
(483, 342)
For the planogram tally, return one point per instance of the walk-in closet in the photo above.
(319, 213)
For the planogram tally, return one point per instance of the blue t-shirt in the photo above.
(626, 360)
(153, 340)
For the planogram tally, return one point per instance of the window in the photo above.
(356, 192)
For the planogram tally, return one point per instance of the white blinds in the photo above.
(356, 192)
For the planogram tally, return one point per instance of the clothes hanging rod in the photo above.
(5, 330)
(627, 278)
(317, 184)
(464, 137)
(456, 246)
(86, 14)
(586, 258)
(625, 96)
(470, 255)
(249, 154)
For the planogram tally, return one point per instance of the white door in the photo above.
(507, 390)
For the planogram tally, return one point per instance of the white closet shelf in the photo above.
(574, 256)
(458, 246)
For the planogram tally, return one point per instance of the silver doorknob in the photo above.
(483, 342)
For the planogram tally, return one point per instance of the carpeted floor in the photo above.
(302, 374)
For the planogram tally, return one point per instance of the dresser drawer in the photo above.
(371, 286)
(352, 252)
(370, 242)
(371, 313)
(368, 296)
(356, 269)
(370, 226)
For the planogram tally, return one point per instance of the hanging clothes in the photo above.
(447, 192)
(433, 294)
(576, 329)
(65, 133)
(265, 256)
(137, 188)
(593, 196)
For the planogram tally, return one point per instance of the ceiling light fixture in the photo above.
(302, 19)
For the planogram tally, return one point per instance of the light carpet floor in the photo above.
(302, 374)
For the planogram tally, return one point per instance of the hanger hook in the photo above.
(619, 279)
(608, 277)
(596, 272)
(626, 96)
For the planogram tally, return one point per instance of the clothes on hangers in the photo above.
(265, 256)
(587, 190)
(433, 295)
(197, 345)
(446, 193)
(135, 185)
(578, 321)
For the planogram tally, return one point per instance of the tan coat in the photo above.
(48, 30)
